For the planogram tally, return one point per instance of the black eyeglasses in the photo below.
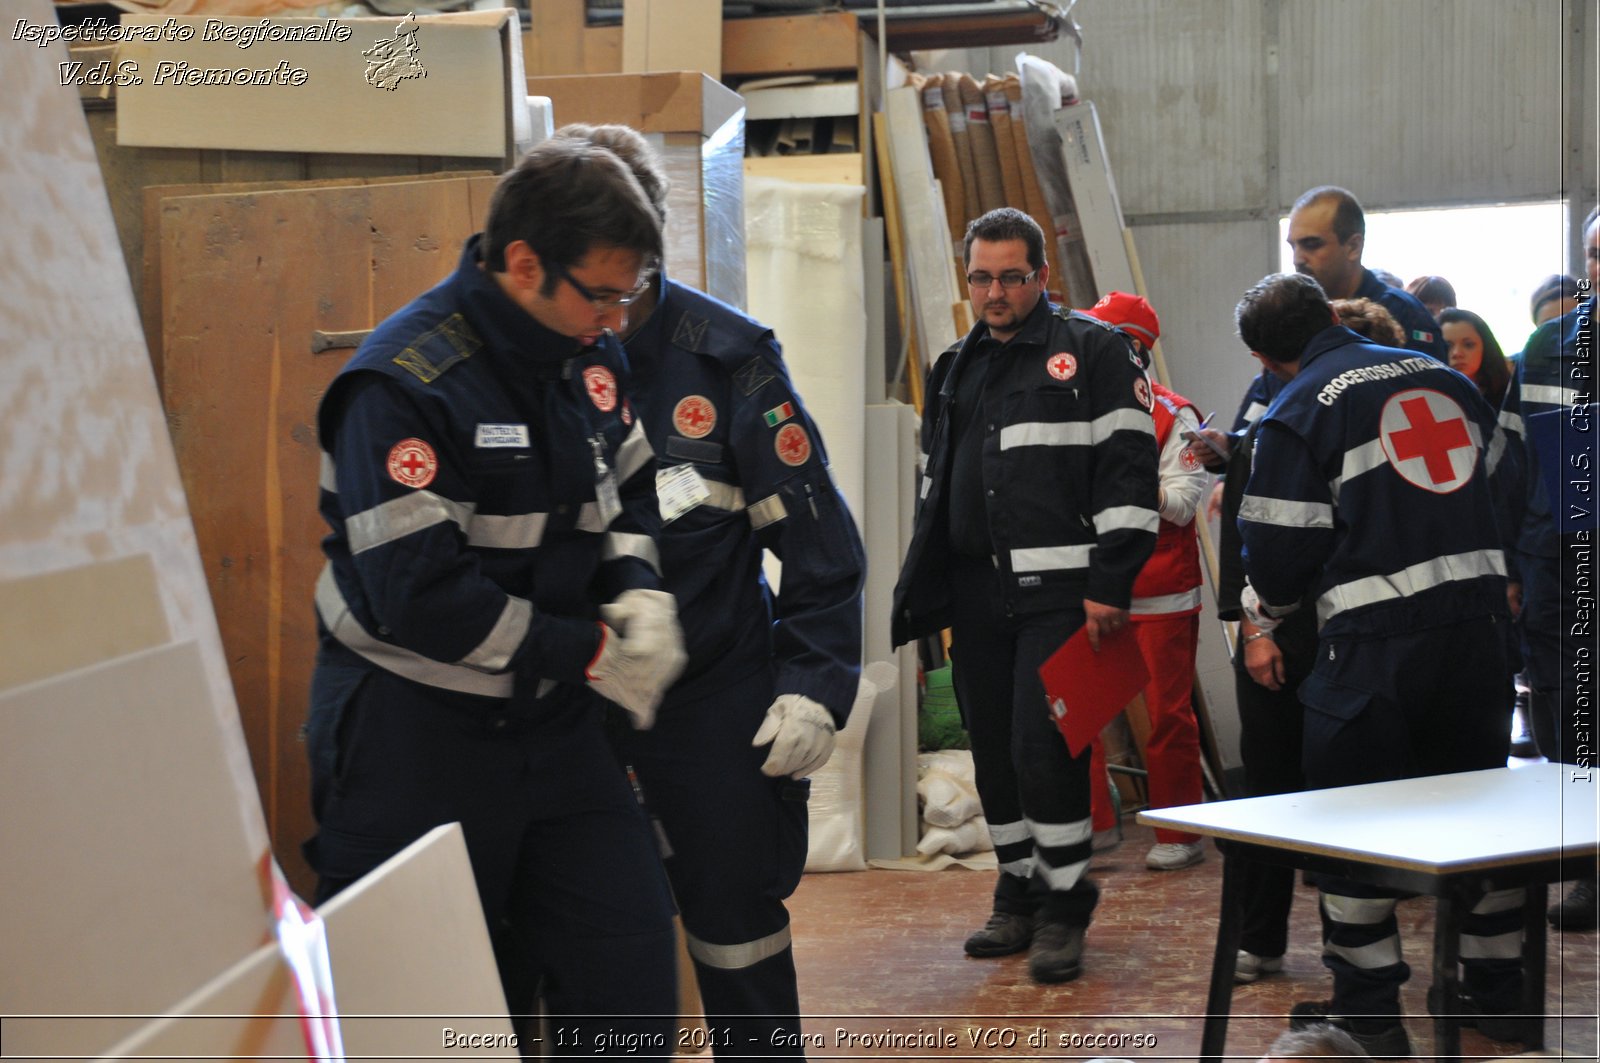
(607, 302)
(982, 281)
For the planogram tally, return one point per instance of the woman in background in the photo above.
(1475, 353)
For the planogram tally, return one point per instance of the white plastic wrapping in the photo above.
(837, 811)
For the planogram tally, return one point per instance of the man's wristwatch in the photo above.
(1248, 639)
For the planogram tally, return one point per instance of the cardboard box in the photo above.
(446, 85)
(697, 125)
(672, 35)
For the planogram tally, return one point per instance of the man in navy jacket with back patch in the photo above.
(1374, 490)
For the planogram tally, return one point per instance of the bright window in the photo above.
(1493, 256)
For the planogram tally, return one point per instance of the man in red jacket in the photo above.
(1166, 604)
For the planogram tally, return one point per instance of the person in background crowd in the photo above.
(1411, 675)
(492, 585)
(1328, 233)
(1435, 293)
(1166, 605)
(1038, 508)
(1555, 373)
(1557, 294)
(1475, 353)
(740, 467)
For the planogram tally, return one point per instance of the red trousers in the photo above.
(1172, 752)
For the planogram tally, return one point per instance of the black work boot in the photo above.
(1380, 1039)
(1057, 951)
(1004, 934)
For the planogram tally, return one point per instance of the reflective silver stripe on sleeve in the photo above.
(1413, 579)
(327, 474)
(1497, 450)
(349, 633)
(399, 517)
(1162, 604)
(1045, 434)
(520, 531)
(635, 452)
(1050, 558)
(628, 544)
(1549, 395)
(736, 957)
(1118, 518)
(724, 496)
(769, 510)
(1102, 427)
(494, 653)
(1284, 513)
(1511, 421)
(589, 518)
(1358, 460)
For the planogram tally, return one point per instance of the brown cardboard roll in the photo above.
(970, 205)
(980, 136)
(1032, 193)
(994, 90)
(942, 151)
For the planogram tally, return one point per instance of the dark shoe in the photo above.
(1578, 910)
(1378, 1040)
(1002, 935)
(1508, 1027)
(1057, 952)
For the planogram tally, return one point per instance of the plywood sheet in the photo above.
(410, 957)
(241, 388)
(90, 476)
(60, 621)
(128, 877)
(152, 196)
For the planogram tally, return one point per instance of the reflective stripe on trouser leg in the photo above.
(1361, 946)
(1062, 851)
(1013, 848)
(749, 992)
(1491, 950)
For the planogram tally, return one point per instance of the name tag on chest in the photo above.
(494, 436)
(678, 490)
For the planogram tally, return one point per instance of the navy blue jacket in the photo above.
(1371, 487)
(1422, 331)
(469, 456)
(740, 467)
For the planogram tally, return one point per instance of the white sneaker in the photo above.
(1248, 967)
(1170, 856)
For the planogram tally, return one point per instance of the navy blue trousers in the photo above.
(567, 871)
(736, 843)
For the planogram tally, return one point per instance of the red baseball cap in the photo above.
(1131, 313)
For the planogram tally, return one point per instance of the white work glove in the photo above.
(641, 653)
(1256, 610)
(801, 733)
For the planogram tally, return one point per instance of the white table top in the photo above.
(1439, 824)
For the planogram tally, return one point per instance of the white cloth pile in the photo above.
(947, 796)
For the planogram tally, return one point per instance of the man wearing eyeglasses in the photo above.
(491, 581)
(740, 469)
(1039, 507)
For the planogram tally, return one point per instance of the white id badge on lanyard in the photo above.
(605, 484)
(678, 490)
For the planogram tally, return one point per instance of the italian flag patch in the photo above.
(779, 414)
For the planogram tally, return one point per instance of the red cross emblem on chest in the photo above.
(601, 386)
(1424, 435)
(1061, 365)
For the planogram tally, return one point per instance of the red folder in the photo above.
(1085, 689)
